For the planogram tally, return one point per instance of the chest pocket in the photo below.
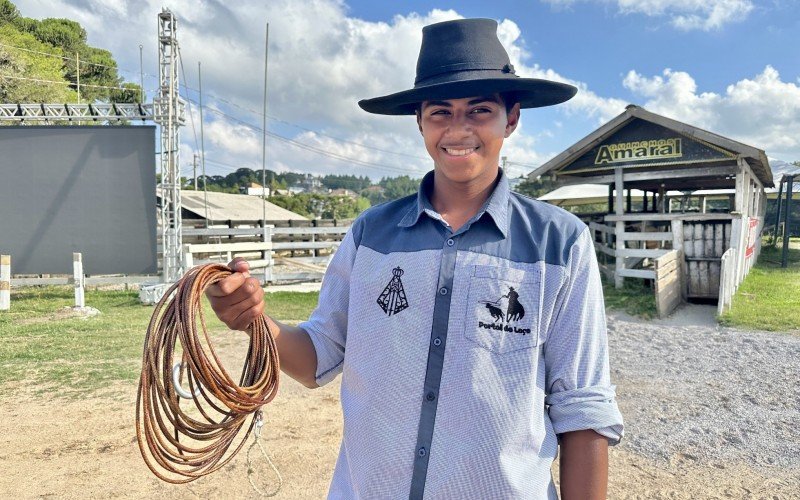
(503, 308)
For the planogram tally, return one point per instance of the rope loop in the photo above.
(181, 445)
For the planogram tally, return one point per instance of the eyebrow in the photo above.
(473, 102)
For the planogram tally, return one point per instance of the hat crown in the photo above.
(460, 45)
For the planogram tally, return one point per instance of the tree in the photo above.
(322, 206)
(536, 187)
(29, 72)
(61, 44)
(8, 12)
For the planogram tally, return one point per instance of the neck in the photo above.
(457, 202)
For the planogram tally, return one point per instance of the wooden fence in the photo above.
(305, 245)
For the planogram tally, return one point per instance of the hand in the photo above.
(238, 299)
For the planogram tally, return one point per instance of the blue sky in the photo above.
(730, 66)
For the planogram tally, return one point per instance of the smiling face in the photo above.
(464, 136)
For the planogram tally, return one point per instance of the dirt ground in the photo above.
(70, 447)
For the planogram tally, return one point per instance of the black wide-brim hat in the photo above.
(464, 58)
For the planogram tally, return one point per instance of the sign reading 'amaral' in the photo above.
(655, 149)
(644, 144)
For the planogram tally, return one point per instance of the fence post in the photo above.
(78, 278)
(269, 268)
(314, 223)
(5, 282)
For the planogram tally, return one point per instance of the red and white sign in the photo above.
(752, 235)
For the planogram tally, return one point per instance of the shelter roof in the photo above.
(227, 206)
(583, 194)
(640, 140)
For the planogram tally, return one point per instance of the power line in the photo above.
(191, 116)
(83, 63)
(309, 147)
(39, 80)
(276, 119)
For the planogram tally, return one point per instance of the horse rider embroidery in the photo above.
(514, 310)
(393, 298)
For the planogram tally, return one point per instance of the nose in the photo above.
(459, 125)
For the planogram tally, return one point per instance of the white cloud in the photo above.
(704, 15)
(321, 62)
(763, 112)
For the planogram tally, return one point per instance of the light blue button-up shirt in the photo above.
(463, 354)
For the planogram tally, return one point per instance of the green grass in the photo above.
(769, 297)
(634, 298)
(42, 346)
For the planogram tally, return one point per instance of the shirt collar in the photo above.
(496, 205)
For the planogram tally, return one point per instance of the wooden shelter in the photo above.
(694, 252)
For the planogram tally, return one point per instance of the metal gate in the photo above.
(704, 242)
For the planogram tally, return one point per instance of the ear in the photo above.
(419, 121)
(512, 119)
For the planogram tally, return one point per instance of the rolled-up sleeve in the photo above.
(579, 394)
(327, 325)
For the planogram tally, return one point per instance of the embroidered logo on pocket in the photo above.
(501, 320)
(393, 298)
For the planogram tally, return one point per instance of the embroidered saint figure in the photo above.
(393, 298)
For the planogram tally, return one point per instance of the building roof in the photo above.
(227, 206)
(584, 194)
(726, 147)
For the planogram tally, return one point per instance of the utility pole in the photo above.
(78, 74)
(141, 75)
(194, 171)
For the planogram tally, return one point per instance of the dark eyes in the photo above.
(478, 110)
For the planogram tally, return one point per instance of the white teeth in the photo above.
(459, 152)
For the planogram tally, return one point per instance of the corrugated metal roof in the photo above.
(227, 206)
(581, 194)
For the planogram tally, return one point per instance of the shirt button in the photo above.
(450, 242)
(437, 341)
(422, 452)
(443, 290)
(430, 396)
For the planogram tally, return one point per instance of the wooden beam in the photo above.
(637, 252)
(638, 273)
(634, 176)
(667, 217)
(647, 236)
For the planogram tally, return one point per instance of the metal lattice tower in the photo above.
(168, 109)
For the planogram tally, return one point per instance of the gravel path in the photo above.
(692, 391)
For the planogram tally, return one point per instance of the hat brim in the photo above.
(529, 92)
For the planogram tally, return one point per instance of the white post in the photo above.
(619, 230)
(78, 278)
(269, 267)
(5, 282)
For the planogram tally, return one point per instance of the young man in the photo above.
(467, 321)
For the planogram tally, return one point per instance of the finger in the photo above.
(246, 317)
(226, 286)
(242, 314)
(239, 265)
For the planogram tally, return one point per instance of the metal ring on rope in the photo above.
(180, 445)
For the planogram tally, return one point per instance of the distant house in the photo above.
(311, 184)
(343, 192)
(254, 189)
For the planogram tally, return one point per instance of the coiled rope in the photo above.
(176, 446)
